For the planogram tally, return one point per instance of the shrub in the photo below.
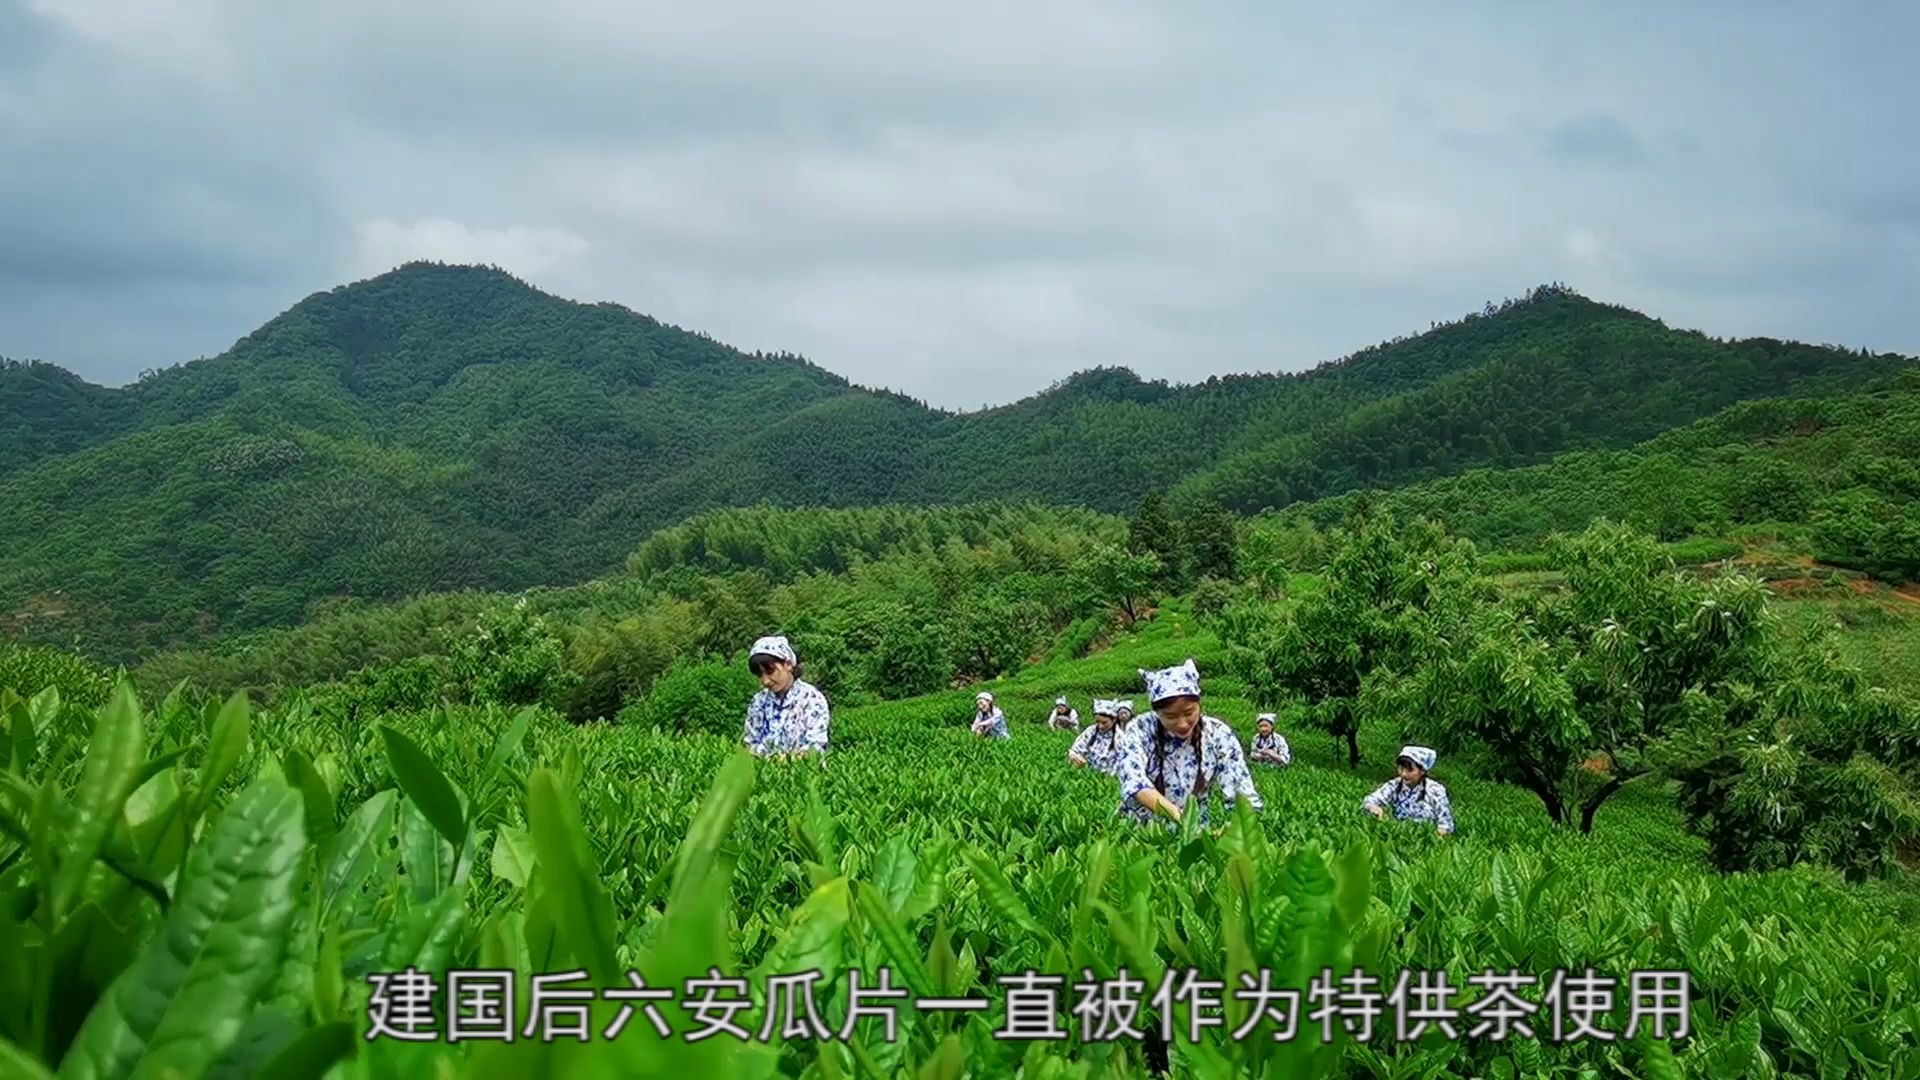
(29, 669)
(1703, 549)
(709, 698)
(511, 658)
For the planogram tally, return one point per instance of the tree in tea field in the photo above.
(1152, 532)
(1817, 766)
(1110, 577)
(994, 631)
(1570, 691)
(1212, 539)
(1391, 597)
(912, 656)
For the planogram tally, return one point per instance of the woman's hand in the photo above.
(1078, 761)
(1378, 811)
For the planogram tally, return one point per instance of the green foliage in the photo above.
(1110, 577)
(1080, 638)
(511, 658)
(448, 428)
(1213, 596)
(996, 630)
(616, 849)
(1843, 463)
(1571, 689)
(911, 656)
(29, 669)
(1816, 764)
(618, 659)
(1701, 549)
(697, 697)
(1387, 602)
(1212, 539)
(1152, 534)
(1860, 529)
(417, 683)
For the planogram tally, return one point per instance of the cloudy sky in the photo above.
(963, 202)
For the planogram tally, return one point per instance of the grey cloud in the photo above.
(965, 206)
(1595, 137)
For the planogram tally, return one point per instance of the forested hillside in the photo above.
(1840, 475)
(446, 428)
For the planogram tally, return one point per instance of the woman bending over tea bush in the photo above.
(788, 715)
(1414, 796)
(988, 721)
(1099, 745)
(1269, 747)
(1172, 757)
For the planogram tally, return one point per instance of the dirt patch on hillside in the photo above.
(1909, 592)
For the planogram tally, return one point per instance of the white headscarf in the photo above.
(1421, 756)
(1180, 681)
(777, 647)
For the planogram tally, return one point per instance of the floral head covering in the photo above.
(1267, 717)
(1421, 756)
(777, 647)
(1103, 707)
(1181, 681)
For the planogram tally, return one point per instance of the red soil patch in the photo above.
(1792, 584)
(1910, 592)
(1598, 765)
(1860, 587)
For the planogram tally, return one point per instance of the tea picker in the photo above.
(988, 721)
(1413, 795)
(1099, 744)
(1269, 746)
(1064, 716)
(1174, 755)
(788, 715)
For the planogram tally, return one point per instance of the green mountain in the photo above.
(1840, 473)
(442, 428)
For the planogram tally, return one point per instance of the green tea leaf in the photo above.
(425, 786)
(998, 892)
(18, 1064)
(193, 987)
(902, 955)
(107, 777)
(895, 870)
(358, 848)
(812, 937)
(513, 855)
(947, 1063)
(226, 745)
(425, 855)
(693, 862)
(585, 922)
(1657, 1061)
(314, 1053)
(315, 796)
